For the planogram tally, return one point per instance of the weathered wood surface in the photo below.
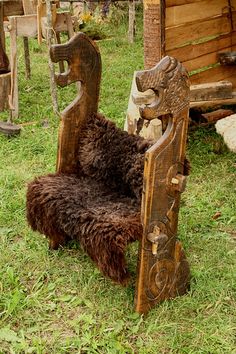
(153, 19)
(29, 6)
(163, 268)
(5, 87)
(199, 119)
(4, 61)
(2, 34)
(213, 117)
(178, 36)
(12, 8)
(84, 63)
(214, 103)
(14, 95)
(27, 25)
(205, 61)
(217, 73)
(131, 29)
(195, 56)
(211, 91)
(196, 31)
(170, 3)
(196, 11)
(27, 58)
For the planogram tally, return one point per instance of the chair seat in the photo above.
(65, 207)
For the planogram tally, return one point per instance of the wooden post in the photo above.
(13, 97)
(50, 63)
(61, 64)
(69, 25)
(131, 30)
(27, 57)
(153, 31)
(2, 35)
(5, 87)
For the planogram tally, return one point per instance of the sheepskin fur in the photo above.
(112, 156)
(99, 205)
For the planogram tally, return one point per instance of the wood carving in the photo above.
(84, 65)
(163, 268)
(95, 195)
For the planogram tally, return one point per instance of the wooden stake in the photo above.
(50, 63)
(13, 97)
(27, 58)
(131, 30)
(2, 35)
(153, 31)
(61, 64)
(5, 87)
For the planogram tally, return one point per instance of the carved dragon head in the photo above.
(170, 83)
(83, 58)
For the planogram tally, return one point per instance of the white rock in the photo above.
(227, 128)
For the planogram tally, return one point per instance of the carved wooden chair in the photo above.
(112, 188)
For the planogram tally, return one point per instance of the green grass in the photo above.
(58, 302)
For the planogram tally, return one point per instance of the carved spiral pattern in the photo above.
(160, 279)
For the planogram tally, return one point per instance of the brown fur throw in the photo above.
(100, 205)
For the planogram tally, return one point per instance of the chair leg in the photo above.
(27, 58)
(13, 98)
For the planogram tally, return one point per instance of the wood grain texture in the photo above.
(4, 61)
(214, 103)
(84, 62)
(14, 95)
(210, 91)
(29, 7)
(163, 268)
(188, 32)
(5, 87)
(13, 8)
(26, 26)
(192, 51)
(152, 36)
(206, 60)
(2, 34)
(196, 11)
(170, 3)
(218, 73)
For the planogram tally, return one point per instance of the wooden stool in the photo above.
(25, 22)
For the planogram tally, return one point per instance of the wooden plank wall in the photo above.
(196, 30)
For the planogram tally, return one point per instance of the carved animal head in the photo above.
(170, 83)
(84, 60)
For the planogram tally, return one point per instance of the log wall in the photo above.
(195, 31)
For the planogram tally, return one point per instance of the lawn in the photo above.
(57, 301)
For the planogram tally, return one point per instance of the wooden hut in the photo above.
(195, 32)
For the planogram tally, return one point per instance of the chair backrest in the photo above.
(84, 65)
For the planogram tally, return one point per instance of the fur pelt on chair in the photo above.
(99, 205)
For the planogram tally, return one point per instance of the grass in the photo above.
(58, 302)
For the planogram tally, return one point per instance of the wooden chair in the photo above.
(128, 189)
